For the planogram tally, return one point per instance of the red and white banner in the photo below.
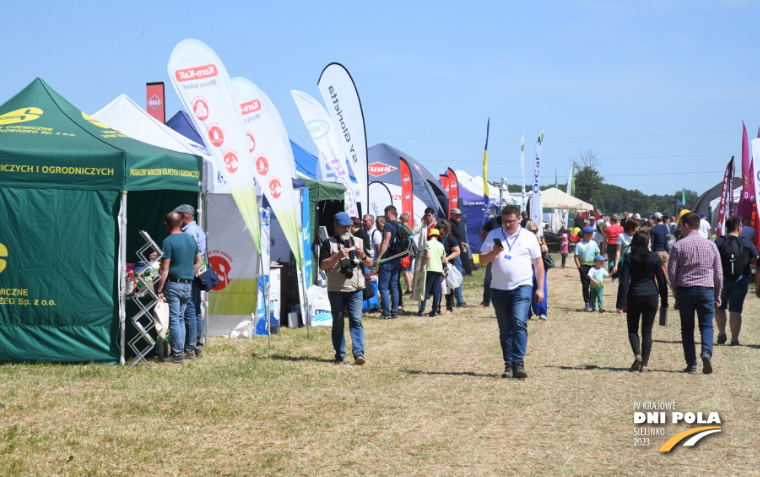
(726, 194)
(204, 87)
(453, 192)
(756, 171)
(407, 192)
(744, 208)
(444, 179)
(155, 101)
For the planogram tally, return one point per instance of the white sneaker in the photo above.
(614, 280)
(542, 317)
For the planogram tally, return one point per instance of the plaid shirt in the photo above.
(695, 262)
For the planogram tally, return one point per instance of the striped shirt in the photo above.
(695, 262)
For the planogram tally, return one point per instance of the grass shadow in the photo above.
(449, 373)
(295, 359)
(593, 367)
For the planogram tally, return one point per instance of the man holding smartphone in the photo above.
(514, 256)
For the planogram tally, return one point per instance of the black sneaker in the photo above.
(722, 338)
(463, 305)
(508, 372)
(190, 354)
(735, 342)
(420, 313)
(172, 359)
(706, 364)
(519, 371)
(339, 360)
(690, 369)
(636, 363)
(407, 293)
(393, 316)
(359, 360)
(198, 353)
(433, 314)
(384, 316)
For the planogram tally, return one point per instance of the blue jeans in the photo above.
(512, 315)
(388, 278)
(351, 301)
(432, 283)
(458, 290)
(177, 296)
(703, 302)
(487, 285)
(194, 321)
(543, 307)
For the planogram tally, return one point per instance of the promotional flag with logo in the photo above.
(454, 192)
(329, 143)
(755, 173)
(203, 86)
(486, 203)
(522, 172)
(342, 100)
(407, 191)
(569, 189)
(726, 191)
(155, 101)
(536, 213)
(444, 179)
(744, 208)
(271, 155)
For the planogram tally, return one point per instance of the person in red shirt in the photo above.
(611, 234)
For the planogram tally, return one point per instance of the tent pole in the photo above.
(123, 277)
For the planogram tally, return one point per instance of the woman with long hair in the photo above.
(452, 251)
(641, 280)
(624, 242)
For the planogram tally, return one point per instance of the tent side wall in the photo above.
(58, 282)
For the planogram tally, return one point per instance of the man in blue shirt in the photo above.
(179, 265)
(388, 271)
(659, 237)
(193, 314)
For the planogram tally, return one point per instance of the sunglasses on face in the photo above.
(534, 231)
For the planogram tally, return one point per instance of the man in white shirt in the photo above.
(704, 227)
(512, 251)
(368, 222)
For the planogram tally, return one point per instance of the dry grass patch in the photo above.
(430, 401)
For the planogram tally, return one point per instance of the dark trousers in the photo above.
(432, 283)
(583, 270)
(487, 285)
(400, 291)
(466, 263)
(643, 309)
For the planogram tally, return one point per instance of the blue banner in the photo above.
(306, 232)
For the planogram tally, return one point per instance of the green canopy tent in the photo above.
(64, 239)
(321, 212)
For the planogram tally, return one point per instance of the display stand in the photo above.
(143, 330)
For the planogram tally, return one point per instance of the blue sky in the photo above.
(657, 89)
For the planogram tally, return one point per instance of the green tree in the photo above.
(588, 181)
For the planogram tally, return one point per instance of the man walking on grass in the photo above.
(696, 275)
(515, 253)
(585, 252)
(737, 255)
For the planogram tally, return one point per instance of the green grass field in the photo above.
(430, 402)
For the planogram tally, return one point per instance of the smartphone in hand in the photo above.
(497, 242)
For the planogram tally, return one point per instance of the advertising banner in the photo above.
(155, 101)
(454, 192)
(407, 192)
(535, 203)
(329, 143)
(444, 178)
(342, 100)
(204, 87)
(271, 155)
(726, 192)
(744, 208)
(522, 173)
(306, 234)
(379, 197)
(485, 175)
(756, 180)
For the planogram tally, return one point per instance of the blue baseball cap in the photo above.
(704, 215)
(589, 230)
(343, 219)
(599, 257)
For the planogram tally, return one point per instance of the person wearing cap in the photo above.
(456, 216)
(515, 254)
(704, 227)
(341, 258)
(659, 237)
(642, 280)
(585, 251)
(596, 287)
(435, 257)
(193, 313)
(180, 263)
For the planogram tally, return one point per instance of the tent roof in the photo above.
(320, 190)
(182, 123)
(46, 142)
(554, 198)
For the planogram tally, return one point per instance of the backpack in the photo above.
(670, 240)
(732, 257)
(401, 241)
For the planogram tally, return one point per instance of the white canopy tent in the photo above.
(554, 198)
